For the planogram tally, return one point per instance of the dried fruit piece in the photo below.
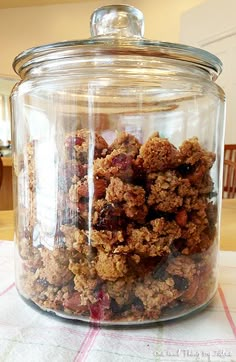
(73, 303)
(181, 218)
(110, 218)
(122, 161)
(181, 283)
(98, 308)
(100, 185)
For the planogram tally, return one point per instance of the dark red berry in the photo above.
(103, 298)
(110, 218)
(74, 303)
(97, 309)
(74, 141)
(139, 172)
(179, 245)
(78, 141)
(186, 169)
(181, 283)
(122, 161)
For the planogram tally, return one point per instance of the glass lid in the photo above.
(117, 30)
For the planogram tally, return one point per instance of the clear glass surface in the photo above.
(117, 169)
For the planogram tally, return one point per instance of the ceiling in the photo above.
(4, 4)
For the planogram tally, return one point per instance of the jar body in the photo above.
(117, 193)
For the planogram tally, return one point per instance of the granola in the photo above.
(135, 233)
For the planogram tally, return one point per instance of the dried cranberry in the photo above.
(71, 142)
(74, 141)
(96, 312)
(122, 161)
(110, 218)
(78, 141)
(181, 283)
(186, 169)
(179, 245)
(103, 298)
(73, 303)
(97, 309)
(139, 172)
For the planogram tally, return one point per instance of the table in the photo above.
(228, 225)
(6, 225)
(6, 197)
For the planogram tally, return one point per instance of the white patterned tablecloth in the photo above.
(29, 336)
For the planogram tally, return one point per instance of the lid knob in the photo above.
(117, 20)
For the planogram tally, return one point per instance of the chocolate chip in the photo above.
(181, 283)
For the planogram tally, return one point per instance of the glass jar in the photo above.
(118, 145)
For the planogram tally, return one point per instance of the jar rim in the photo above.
(70, 49)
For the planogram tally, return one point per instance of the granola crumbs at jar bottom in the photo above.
(148, 247)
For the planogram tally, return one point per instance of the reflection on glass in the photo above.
(6, 85)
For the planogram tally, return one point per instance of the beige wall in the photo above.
(21, 28)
